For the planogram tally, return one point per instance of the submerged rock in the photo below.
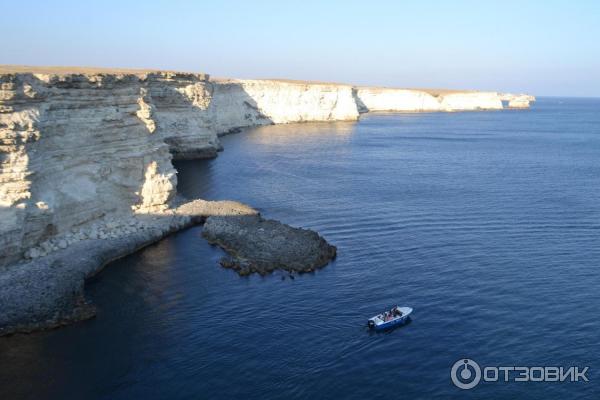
(255, 244)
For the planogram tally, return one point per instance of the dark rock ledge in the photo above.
(260, 245)
(48, 292)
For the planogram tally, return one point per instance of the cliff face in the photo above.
(517, 100)
(76, 146)
(175, 107)
(243, 103)
(471, 101)
(384, 99)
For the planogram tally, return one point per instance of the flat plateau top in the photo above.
(433, 92)
(52, 70)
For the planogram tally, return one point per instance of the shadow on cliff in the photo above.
(190, 114)
(360, 105)
(230, 109)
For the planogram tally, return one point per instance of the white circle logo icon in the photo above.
(465, 373)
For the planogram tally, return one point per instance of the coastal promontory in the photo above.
(86, 172)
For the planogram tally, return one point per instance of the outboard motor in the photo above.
(371, 324)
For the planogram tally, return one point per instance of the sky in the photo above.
(546, 48)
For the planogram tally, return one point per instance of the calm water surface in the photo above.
(487, 223)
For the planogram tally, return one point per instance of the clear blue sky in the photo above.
(542, 47)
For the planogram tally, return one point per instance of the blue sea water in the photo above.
(486, 223)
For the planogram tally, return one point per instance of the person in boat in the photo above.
(396, 312)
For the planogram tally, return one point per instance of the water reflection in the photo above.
(194, 178)
(308, 131)
(266, 150)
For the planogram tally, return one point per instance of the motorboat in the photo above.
(389, 319)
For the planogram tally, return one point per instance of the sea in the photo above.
(487, 224)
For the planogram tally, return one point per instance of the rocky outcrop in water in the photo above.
(255, 244)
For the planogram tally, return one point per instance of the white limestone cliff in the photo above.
(470, 101)
(517, 100)
(78, 146)
(73, 148)
(414, 100)
(384, 99)
(241, 103)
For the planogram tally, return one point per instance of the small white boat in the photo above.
(394, 317)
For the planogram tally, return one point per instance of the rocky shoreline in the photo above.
(47, 291)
